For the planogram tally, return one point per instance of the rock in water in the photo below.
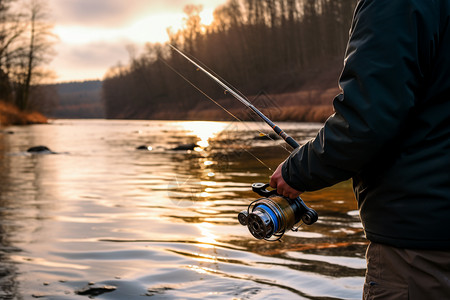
(39, 149)
(95, 290)
(144, 147)
(185, 147)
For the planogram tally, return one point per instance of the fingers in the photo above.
(277, 182)
(276, 178)
(287, 191)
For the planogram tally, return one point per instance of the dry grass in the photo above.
(305, 113)
(296, 113)
(11, 115)
(301, 106)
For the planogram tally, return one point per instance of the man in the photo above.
(391, 134)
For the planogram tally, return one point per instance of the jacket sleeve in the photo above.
(379, 88)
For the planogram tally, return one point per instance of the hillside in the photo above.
(78, 100)
(289, 52)
(306, 97)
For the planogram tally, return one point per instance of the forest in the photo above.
(285, 55)
(76, 100)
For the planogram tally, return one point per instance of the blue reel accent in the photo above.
(272, 216)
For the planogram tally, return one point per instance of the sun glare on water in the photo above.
(204, 130)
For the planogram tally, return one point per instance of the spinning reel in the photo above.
(270, 217)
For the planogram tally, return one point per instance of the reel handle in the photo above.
(261, 189)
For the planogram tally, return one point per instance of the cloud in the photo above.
(115, 13)
(101, 13)
(88, 61)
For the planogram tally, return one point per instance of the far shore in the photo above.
(313, 105)
(301, 106)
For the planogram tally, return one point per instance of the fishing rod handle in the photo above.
(293, 143)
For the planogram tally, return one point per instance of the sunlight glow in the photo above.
(149, 28)
(208, 183)
(207, 16)
(152, 28)
(201, 270)
(204, 130)
(208, 237)
(104, 39)
(204, 194)
(79, 43)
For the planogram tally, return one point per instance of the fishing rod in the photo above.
(269, 217)
(291, 142)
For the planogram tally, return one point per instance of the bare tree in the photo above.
(34, 51)
(11, 28)
(192, 25)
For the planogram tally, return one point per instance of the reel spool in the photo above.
(270, 217)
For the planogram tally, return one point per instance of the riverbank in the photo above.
(11, 115)
(312, 105)
(306, 98)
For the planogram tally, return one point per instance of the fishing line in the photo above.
(215, 102)
(201, 91)
(227, 84)
(291, 142)
(233, 91)
(239, 96)
(221, 106)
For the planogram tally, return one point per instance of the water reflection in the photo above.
(22, 185)
(207, 235)
(204, 131)
(162, 222)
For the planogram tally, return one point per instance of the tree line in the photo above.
(77, 100)
(26, 40)
(270, 46)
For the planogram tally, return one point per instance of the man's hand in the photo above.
(277, 182)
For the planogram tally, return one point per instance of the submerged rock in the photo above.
(185, 147)
(7, 132)
(39, 149)
(144, 147)
(157, 290)
(39, 295)
(95, 290)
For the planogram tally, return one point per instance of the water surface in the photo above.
(98, 218)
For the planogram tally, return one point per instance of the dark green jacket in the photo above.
(391, 127)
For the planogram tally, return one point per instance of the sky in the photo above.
(93, 35)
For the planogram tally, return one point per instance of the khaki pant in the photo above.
(394, 273)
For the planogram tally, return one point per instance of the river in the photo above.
(98, 218)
